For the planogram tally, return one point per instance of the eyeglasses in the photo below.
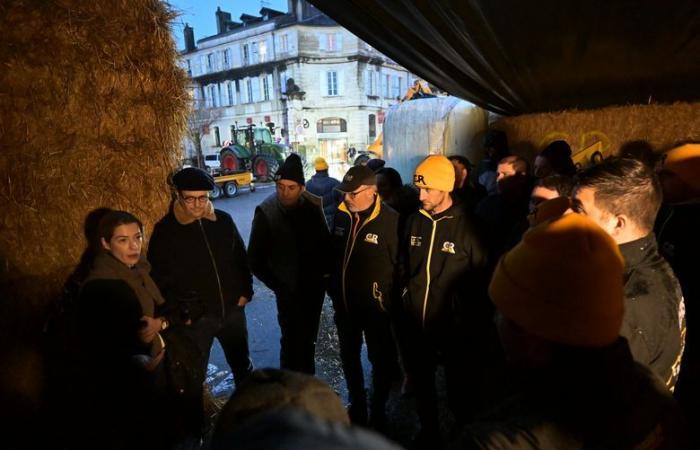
(192, 200)
(353, 195)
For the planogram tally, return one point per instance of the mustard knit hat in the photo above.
(563, 282)
(320, 164)
(435, 172)
(684, 162)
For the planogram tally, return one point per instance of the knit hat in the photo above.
(320, 164)
(563, 282)
(684, 162)
(357, 176)
(193, 179)
(435, 172)
(292, 169)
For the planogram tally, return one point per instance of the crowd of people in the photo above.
(560, 302)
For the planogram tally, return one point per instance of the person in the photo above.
(200, 265)
(623, 197)
(496, 146)
(119, 332)
(402, 198)
(323, 185)
(442, 266)
(555, 159)
(550, 187)
(288, 252)
(465, 192)
(365, 246)
(376, 164)
(505, 211)
(676, 232)
(576, 384)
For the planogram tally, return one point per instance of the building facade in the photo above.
(319, 88)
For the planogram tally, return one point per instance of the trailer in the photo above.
(229, 185)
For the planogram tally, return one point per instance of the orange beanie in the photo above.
(563, 282)
(435, 172)
(684, 162)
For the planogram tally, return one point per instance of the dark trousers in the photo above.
(298, 317)
(232, 333)
(381, 351)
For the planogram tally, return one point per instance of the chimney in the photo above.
(222, 17)
(189, 38)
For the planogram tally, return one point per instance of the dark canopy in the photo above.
(516, 56)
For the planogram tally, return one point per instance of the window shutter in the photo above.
(236, 56)
(322, 40)
(367, 80)
(244, 91)
(323, 79)
(339, 42)
(203, 64)
(341, 82)
(270, 86)
(283, 81)
(256, 89)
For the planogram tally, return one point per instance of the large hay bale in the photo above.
(660, 125)
(92, 109)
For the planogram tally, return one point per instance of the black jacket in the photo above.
(202, 261)
(595, 399)
(444, 267)
(654, 320)
(364, 257)
(288, 248)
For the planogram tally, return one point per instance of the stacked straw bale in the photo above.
(661, 126)
(92, 109)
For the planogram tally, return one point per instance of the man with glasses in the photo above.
(288, 251)
(199, 263)
(365, 245)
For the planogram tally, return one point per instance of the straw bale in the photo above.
(660, 125)
(92, 110)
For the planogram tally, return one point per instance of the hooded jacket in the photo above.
(654, 320)
(202, 259)
(365, 250)
(444, 267)
(322, 185)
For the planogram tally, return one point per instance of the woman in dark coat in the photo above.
(121, 343)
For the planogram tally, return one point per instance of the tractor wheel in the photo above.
(229, 161)
(361, 160)
(216, 192)
(230, 189)
(264, 168)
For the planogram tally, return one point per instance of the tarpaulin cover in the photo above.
(515, 56)
(432, 126)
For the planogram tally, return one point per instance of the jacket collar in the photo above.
(635, 252)
(449, 213)
(183, 217)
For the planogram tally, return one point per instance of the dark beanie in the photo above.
(558, 153)
(193, 179)
(291, 169)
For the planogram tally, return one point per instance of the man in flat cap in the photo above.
(200, 265)
(288, 251)
(365, 246)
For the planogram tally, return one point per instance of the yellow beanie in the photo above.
(563, 282)
(320, 164)
(684, 162)
(435, 172)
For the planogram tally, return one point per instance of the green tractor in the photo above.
(252, 149)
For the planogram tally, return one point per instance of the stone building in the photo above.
(319, 88)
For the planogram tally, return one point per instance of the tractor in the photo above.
(252, 149)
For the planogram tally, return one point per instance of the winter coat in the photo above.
(200, 262)
(444, 267)
(588, 399)
(365, 256)
(322, 185)
(289, 247)
(654, 320)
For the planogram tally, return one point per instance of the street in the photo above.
(263, 330)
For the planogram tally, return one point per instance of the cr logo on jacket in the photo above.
(372, 238)
(448, 247)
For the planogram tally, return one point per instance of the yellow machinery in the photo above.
(229, 185)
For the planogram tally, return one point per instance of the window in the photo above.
(231, 93)
(283, 82)
(217, 137)
(386, 85)
(372, 126)
(226, 56)
(332, 83)
(210, 62)
(330, 42)
(254, 53)
(396, 86)
(284, 43)
(189, 67)
(249, 89)
(246, 55)
(331, 125)
(262, 51)
(232, 129)
(371, 82)
(266, 88)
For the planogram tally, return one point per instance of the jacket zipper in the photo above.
(427, 271)
(216, 270)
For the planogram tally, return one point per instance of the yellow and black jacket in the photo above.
(444, 268)
(365, 247)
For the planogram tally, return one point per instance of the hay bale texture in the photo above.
(92, 110)
(660, 125)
